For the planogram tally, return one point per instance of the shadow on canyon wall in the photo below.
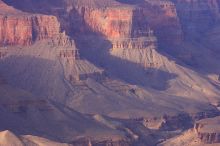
(94, 47)
(42, 77)
(97, 50)
(44, 120)
(173, 52)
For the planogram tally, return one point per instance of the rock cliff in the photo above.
(117, 22)
(204, 133)
(19, 28)
(197, 16)
(208, 130)
(125, 22)
(164, 20)
(113, 19)
(116, 37)
(140, 50)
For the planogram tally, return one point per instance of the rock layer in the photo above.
(115, 19)
(208, 130)
(128, 21)
(164, 20)
(18, 28)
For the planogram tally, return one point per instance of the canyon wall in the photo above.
(197, 16)
(113, 19)
(171, 20)
(163, 19)
(111, 22)
(27, 29)
(208, 130)
(140, 50)
(126, 22)
(19, 28)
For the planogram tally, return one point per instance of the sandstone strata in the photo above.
(138, 49)
(126, 21)
(19, 28)
(165, 87)
(114, 19)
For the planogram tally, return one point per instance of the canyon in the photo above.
(113, 72)
(19, 28)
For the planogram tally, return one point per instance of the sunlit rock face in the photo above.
(111, 22)
(126, 21)
(113, 19)
(168, 18)
(19, 28)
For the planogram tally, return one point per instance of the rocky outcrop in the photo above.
(18, 28)
(139, 49)
(208, 130)
(179, 121)
(168, 18)
(115, 19)
(111, 22)
(87, 142)
(135, 43)
(75, 69)
(164, 20)
(209, 137)
(126, 21)
(67, 48)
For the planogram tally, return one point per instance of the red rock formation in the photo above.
(18, 28)
(45, 26)
(116, 20)
(110, 22)
(123, 22)
(113, 23)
